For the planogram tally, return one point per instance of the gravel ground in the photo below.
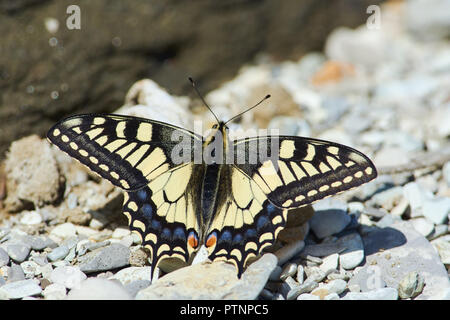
(383, 91)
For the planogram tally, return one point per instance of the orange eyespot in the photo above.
(192, 240)
(212, 239)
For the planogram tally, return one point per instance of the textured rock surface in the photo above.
(216, 280)
(48, 71)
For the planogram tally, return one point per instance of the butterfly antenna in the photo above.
(240, 114)
(201, 97)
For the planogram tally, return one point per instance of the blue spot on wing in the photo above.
(147, 211)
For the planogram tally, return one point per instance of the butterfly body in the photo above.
(183, 190)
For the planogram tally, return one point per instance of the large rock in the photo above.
(48, 71)
(216, 280)
(393, 252)
(32, 174)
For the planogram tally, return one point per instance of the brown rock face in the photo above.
(48, 71)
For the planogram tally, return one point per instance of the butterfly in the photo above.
(184, 190)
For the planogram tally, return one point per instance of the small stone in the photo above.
(423, 226)
(315, 274)
(305, 287)
(69, 276)
(336, 286)
(288, 271)
(15, 273)
(31, 218)
(387, 199)
(275, 274)
(443, 248)
(55, 291)
(137, 285)
(378, 294)
(300, 274)
(58, 253)
(130, 274)
(330, 263)
(119, 233)
(63, 231)
(4, 258)
(21, 289)
(436, 210)
(320, 292)
(308, 296)
(325, 223)
(111, 257)
(415, 194)
(39, 243)
(354, 252)
(30, 268)
(323, 249)
(99, 289)
(331, 296)
(411, 285)
(288, 251)
(18, 252)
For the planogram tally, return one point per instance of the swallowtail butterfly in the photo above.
(234, 205)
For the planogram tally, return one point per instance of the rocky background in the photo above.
(382, 89)
(48, 71)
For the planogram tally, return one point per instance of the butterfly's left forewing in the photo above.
(138, 155)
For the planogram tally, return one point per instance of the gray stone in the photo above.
(137, 285)
(288, 251)
(305, 287)
(323, 249)
(443, 248)
(387, 198)
(288, 271)
(415, 194)
(69, 276)
(21, 289)
(423, 226)
(388, 220)
(308, 296)
(55, 291)
(30, 269)
(446, 173)
(15, 273)
(353, 255)
(4, 258)
(18, 252)
(378, 294)
(58, 253)
(328, 222)
(330, 263)
(411, 285)
(39, 243)
(336, 286)
(217, 280)
(131, 274)
(102, 259)
(99, 289)
(315, 274)
(436, 210)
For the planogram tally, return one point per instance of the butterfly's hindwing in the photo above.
(304, 170)
(164, 215)
(127, 151)
(245, 222)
